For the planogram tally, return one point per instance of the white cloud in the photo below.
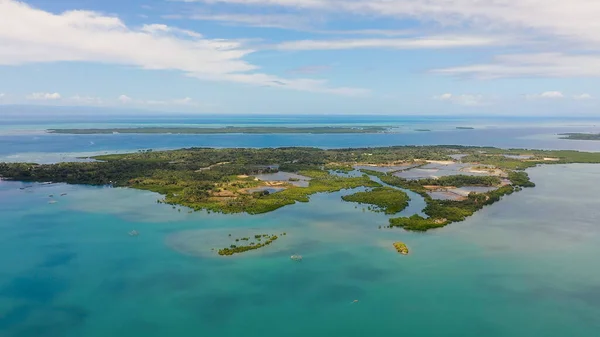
(582, 97)
(552, 94)
(156, 29)
(573, 19)
(443, 97)
(2, 95)
(184, 101)
(298, 22)
(30, 35)
(432, 42)
(545, 28)
(530, 65)
(124, 99)
(546, 95)
(86, 100)
(301, 84)
(187, 101)
(43, 96)
(464, 99)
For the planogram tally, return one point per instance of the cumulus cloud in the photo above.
(86, 100)
(464, 99)
(31, 35)
(43, 96)
(582, 97)
(186, 101)
(443, 97)
(554, 95)
(124, 99)
(546, 95)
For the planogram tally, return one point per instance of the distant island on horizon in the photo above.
(227, 130)
(580, 136)
(239, 130)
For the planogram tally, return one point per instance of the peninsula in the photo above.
(257, 181)
(225, 130)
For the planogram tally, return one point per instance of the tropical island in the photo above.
(238, 249)
(401, 248)
(255, 181)
(382, 199)
(226, 130)
(465, 128)
(580, 136)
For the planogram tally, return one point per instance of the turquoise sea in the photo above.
(526, 266)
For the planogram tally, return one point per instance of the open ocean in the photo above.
(526, 266)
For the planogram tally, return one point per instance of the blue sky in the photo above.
(403, 57)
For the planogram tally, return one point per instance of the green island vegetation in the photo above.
(229, 129)
(443, 212)
(235, 249)
(423, 130)
(465, 128)
(580, 136)
(520, 179)
(339, 168)
(385, 199)
(401, 248)
(223, 180)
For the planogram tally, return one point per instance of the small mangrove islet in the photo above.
(235, 249)
(401, 248)
(225, 180)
